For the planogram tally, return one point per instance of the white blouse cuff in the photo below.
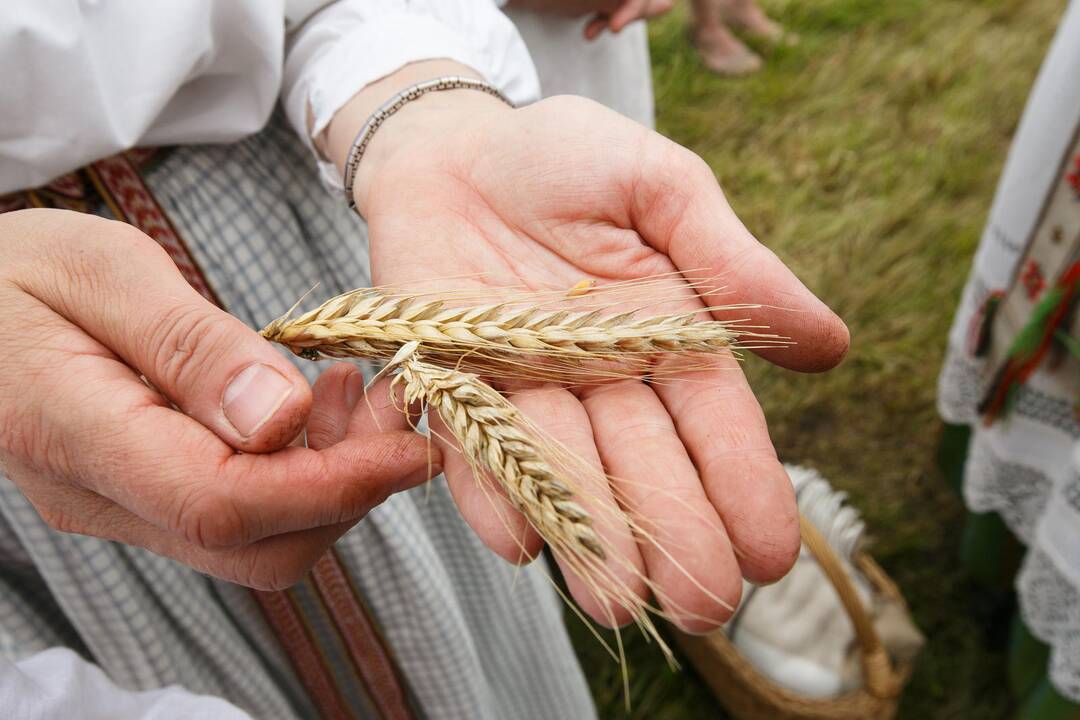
(346, 62)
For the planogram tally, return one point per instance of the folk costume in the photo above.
(1012, 374)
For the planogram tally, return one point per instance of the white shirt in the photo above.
(613, 69)
(87, 78)
(57, 684)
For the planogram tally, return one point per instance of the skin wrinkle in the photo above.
(544, 252)
(670, 195)
(208, 517)
(174, 340)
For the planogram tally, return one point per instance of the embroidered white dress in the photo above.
(1026, 466)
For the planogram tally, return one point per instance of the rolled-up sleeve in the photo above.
(348, 44)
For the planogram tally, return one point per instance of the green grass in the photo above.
(866, 157)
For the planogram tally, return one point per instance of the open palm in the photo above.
(563, 190)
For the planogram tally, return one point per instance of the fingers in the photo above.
(678, 208)
(690, 562)
(595, 26)
(334, 397)
(484, 503)
(124, 444)
(655, 8)
(560, 415)
(723, 429)
(341, 407)
(627, 13)
(122, 289)
(274, 563)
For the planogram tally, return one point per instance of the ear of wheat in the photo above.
(503, 340)
(440, 350)
(500, 444)
(489, 430)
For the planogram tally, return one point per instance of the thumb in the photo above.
(127, 293)
(679, 209)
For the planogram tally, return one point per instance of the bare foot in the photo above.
(725, 54)
(747, 16)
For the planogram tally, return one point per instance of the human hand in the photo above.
(567, 8)
(627, 12)
(456, 185)
(612, 15)
(89, 306)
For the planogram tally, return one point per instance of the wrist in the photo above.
(426, 129)
(431, 116)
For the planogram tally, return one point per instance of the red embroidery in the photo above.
(1033, 279)
(139, 208)
(1073, 178)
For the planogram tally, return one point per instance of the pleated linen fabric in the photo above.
(475, 637)
(1026, 467)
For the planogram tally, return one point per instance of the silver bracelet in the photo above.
(391, 106)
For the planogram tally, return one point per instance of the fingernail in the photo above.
(253, 397)
(354, 389)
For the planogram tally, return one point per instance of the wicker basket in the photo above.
(749, 695)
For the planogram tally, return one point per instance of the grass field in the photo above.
(866, 157)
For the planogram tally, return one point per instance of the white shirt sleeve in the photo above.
(84, 80)
(352, 43)
(57, 683)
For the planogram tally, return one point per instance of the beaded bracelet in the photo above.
(391, 106)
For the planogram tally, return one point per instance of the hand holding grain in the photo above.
(462, 188)
(90, 306)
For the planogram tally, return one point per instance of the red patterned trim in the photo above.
(366, 647)
(121, 183)
(300, 647)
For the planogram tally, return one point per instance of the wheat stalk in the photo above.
(489, 430)
(439, 352)
(496, 339)
(536, 472)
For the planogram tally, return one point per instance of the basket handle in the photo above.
(880, 677)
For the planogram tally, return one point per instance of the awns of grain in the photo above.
(489, 430)
(517, 340)
(440, 351)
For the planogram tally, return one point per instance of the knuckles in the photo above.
(209, 518)
(180, 343)
(258, 568)
(37, 238)
(63, 522)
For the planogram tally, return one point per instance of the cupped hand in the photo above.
(124, 397)
(465, 193)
